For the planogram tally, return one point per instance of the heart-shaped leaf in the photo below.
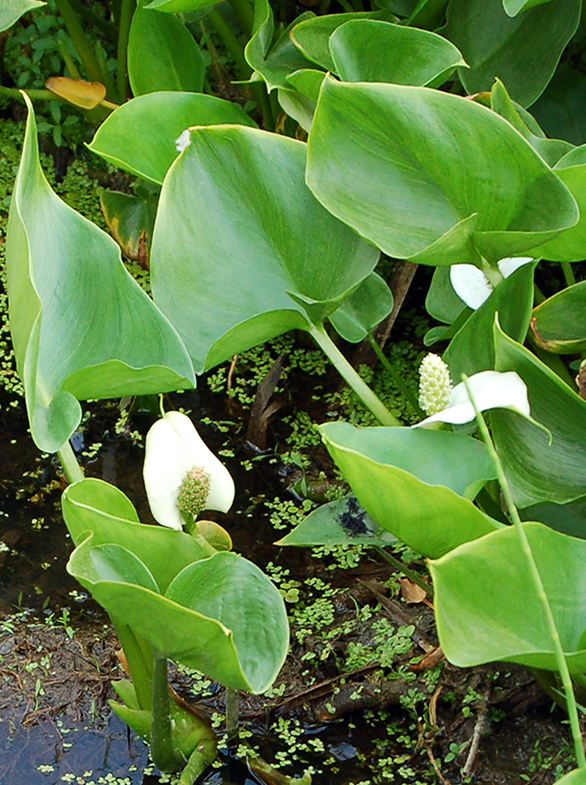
(397, 163)
(79, 330)
(238, 195)
(93, 506)
(507, 622)
(368, 50)
(413, 481)
(162, 54)
(121, 139)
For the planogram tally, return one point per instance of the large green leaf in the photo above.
(179, 6)
(566, 518)
(80, 330)
(162, 55)
(11, 12)
(220, 615)
(122, 140)
(570, 246)
(559, 323)
(537, 470)
(241, 250)
(274, 61)
(236, 593)
(93, 506)
(412, 482)
(367, 50)
(471, 350)
(341, 522)
(487, 609)
(312, 36)
(522, 51)
(431, 177)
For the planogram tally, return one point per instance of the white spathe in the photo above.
(490, 390)
(471, 284)
(174, 447)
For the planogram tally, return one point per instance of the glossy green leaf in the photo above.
(11, 12)
(312, 36)
(471, 350)
(181, 634)
(238, 594)
(522, 51)
(93, 506)
(79, 330)
(570, 246)
(537, 470)
(274, 61)
(551, 150)
(487, 610)
(428, 14)
(559, 109)
(431, 177)
(187, 624)
(559, 323)
(130, 220)
(514, 7)
(366, 307)
(412, 482)
(367, 50)
(342, 522)
(162, 55)
(285, 261)
(122, 138)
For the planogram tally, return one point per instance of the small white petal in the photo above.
(174, 447)
(508, 265)
(490, 390)
(183, 141)
(470, 284)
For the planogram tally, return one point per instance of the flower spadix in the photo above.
(181, 475)
(490, 390)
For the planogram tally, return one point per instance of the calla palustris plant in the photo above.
(81, 326)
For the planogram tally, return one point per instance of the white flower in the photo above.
(174, 450)
(435, 384)
(490, 390)
(472, 285)
(183, 141)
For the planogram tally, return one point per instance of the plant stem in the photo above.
(351, 377)
(539, 588)
(80, 39)
(126, 13)
(396, 377)
(400, 567)
(231, 712)
(34, 95)
(230, 41)
(71, 467)
(244, 13)
(164, 756)
(196, 765)
(139, 661)
(568, 272)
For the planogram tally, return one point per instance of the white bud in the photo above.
(435, 384)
